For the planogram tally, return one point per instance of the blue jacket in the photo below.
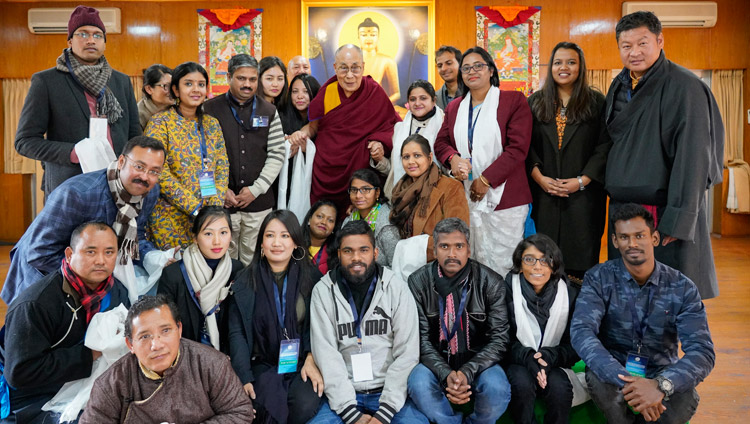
(80, 199)
(603, 331)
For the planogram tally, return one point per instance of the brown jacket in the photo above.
(200, 388)
(447, 200)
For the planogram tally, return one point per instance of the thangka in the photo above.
(223, 33)
(511, 35)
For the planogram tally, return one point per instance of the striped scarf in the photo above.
(93, 79)
(91, 300)
(450, 318)
(128, 208)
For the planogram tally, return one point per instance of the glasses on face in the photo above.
(86, 35)
(164, 87)
(140, 168)
(475, 67)
(531, 261)
(363, 190)
(343, 70)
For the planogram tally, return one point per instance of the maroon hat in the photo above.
(82, 16)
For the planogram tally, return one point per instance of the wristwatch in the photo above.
(665, 385)
(581, 187)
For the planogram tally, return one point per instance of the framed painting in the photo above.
(511, 35)
(397, 39)
(223, 33)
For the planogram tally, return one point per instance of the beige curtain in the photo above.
(137, 82)
(14, 94)
(727, 88)
(600, 78)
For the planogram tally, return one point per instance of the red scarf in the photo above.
(90, 299)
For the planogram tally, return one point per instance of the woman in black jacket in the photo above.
(270, 312)
(200, 283)
(540, 306)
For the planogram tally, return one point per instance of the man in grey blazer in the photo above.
(62, 100)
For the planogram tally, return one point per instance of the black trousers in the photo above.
(609, 399)
(558, 395)
(302, 401)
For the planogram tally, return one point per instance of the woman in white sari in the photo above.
(484, 141)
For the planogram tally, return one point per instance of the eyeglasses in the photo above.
(363, 190)
(140, 168)
(476, 67)
(164, 87)
(86, 35)
(343, 70)
(531, 261)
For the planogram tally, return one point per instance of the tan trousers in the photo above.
(245, 227)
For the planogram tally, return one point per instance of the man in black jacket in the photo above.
(46, 324)
(463, 323)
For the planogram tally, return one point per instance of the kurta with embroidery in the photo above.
(169, 224)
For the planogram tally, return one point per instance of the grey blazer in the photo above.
(57, 106)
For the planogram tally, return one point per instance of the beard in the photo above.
(359, 278)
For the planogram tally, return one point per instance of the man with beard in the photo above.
(255, 147)
(364, 334)
(630, 317)
(46, 325)
(448, 59)
(121, 195)
(459, 353)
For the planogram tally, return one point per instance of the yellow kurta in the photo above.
(170, 222)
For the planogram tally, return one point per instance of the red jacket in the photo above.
(515, 121)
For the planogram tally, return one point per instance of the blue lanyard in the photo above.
(639, 325)
(357, 316)
(204, 148)
(459, 314)
(472, 123)
(319, 256)
(281, 304)
(192, 292)
(237, 117)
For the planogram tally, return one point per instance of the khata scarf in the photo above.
(128, 208)
(410, 197)
(91, 300)
(93, 79)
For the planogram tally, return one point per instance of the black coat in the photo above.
(39, 318)
(488, 321)
(575, 223)
(173, 284)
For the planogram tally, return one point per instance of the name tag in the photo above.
(471, 172)
(288, 356)
(98, 128)
(207, 184)
(362, 367)
(636, 364)
(260, 121)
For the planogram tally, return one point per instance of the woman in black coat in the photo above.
(270, 308)
(200, 282)
(567, 159)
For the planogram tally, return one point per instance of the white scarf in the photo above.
(209, 289)
(402, 129)
(527, 327)
(487, 146)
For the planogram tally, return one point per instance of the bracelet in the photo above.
(450, 158)
(484, 181)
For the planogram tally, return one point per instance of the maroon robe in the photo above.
(345, 126)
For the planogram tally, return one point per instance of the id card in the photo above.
(636, 364)
(471, 173)
(362, 367)
(207, 183)
(288, 356)
(260, 121)
(98, 128)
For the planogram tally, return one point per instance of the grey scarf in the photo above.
(93, 79)
(128, 208)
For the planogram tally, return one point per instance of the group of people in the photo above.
(321, 320)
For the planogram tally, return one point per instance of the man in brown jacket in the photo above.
(166, 379)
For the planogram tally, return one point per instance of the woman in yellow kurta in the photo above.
(196, 168)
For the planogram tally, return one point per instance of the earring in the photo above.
(177, 102)
(262, 253)
(302, 256)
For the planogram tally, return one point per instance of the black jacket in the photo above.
(488, 321)
(173, 284)
(39, 318)
(563, 355)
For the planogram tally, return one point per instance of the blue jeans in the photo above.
(490, 391)
(369, 404)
